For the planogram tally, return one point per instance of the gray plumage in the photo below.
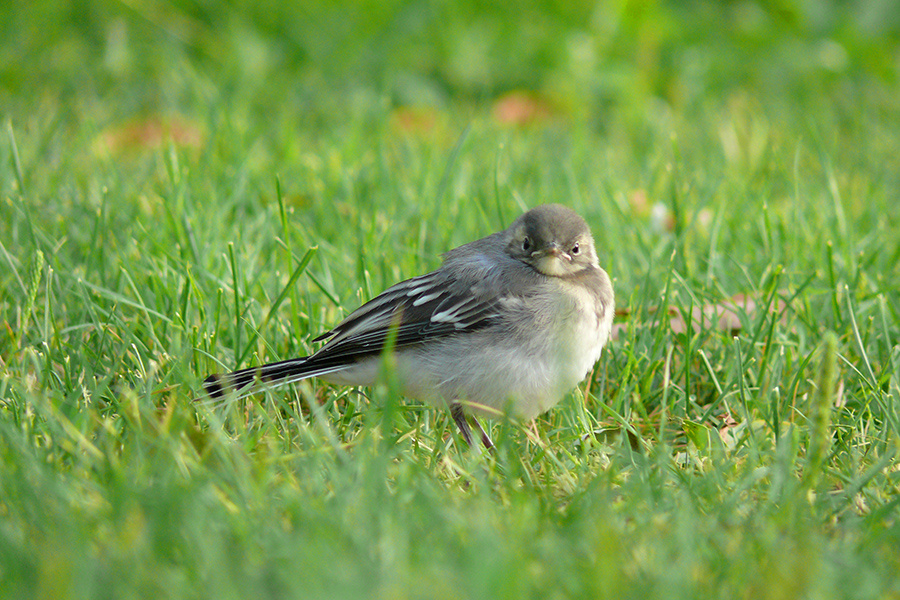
(508, 324)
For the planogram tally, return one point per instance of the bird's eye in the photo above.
(526, 244)
(575, 249)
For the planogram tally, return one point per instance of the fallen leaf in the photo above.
(640, 204)
(521, 108)
(150, 133)
(722, 316)
(414, 119)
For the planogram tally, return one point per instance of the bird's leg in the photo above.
(485, 438)
(459, 417)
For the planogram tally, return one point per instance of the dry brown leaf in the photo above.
(722, 316)
(414, 119)
(150, 133)
(521, 108)
(640, 203)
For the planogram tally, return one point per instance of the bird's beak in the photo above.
(555, 251)
(552, 260)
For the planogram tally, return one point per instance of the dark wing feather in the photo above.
(415, 311)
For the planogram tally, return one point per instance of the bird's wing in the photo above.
(411, 312)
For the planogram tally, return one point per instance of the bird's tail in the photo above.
(240, 384)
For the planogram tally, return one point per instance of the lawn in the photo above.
(187, 188)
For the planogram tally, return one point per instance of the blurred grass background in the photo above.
(194, 186)
(587, 56)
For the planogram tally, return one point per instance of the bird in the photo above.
(507, 325)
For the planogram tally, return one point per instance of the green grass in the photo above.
(187, 188)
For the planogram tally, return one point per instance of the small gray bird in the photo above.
(507, 325)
